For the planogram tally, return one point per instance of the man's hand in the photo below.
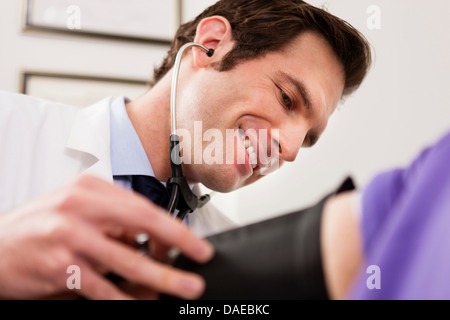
(80, 224)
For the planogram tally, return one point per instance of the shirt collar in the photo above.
(128, 156)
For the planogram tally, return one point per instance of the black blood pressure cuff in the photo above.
(275, 259)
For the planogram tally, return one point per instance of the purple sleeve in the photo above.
(377, 200)
(406, 229)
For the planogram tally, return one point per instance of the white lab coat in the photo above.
(44, 145)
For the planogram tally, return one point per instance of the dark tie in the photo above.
(152, 189)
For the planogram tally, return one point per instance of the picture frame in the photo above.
(135, 20)
(78, 90)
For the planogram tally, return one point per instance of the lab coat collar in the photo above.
(90, 134)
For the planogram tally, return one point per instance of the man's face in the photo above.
(288, 95)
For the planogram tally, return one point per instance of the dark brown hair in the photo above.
(263, 26)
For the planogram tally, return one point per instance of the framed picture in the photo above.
(78, 90)
(140, 20)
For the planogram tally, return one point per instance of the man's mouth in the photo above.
(250, 148)
(260, 166)
(253, 158)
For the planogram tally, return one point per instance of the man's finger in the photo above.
(96, 287)
(113, 205)
(133, 266)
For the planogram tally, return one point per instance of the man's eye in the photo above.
(286, 100)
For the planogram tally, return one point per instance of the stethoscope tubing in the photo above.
(176, 190)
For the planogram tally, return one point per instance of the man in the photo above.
(277, 65)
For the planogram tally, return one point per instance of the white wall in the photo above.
(402, 106)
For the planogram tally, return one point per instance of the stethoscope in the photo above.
(181, 196)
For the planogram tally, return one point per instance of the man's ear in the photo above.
(214, 33)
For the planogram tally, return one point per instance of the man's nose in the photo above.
(291, 140)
